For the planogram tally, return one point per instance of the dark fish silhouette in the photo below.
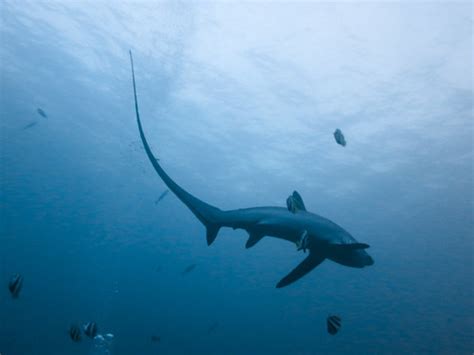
(42, 113)
(213, 327)
(189, 269)
(90, 329)
(333, 323)
(339, 137)
(155, 338)
(29, 125)
(75, 333)
(162, 196)
(15, 285)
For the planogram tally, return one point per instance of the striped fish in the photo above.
(90, 329)
(75, 333)
(334, 323)
(15, 285)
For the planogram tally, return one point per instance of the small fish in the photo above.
(162, 196)
(213, 327)
(75, 333)
(189, 269)
(29, 125)
(15, 285)
(90, 329)
(333, 323)
(155, 338)
(303, 242)
(42, 113)
(339, 137)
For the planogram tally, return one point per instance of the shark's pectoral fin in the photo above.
(308, 264)
(295, 203)
(254, 238)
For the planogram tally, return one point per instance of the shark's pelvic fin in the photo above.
(308, 264)
(254, 238)
(211, 232)
(295, 203)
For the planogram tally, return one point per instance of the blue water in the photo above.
(240, 102)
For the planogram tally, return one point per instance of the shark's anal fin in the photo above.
(308, 264)
(254, 238)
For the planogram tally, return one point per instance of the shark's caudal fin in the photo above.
(207, 214)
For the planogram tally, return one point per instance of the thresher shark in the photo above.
(322, 238)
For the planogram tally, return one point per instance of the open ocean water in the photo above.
(240, 101)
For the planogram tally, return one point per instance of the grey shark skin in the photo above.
(326, 240)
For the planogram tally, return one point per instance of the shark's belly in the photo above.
(280, 223)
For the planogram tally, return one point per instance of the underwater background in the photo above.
(240, 102)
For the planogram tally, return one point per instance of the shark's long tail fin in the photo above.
(209, 215)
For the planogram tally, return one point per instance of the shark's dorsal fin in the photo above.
(295, 203)
(308, 264)
(254, 238)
